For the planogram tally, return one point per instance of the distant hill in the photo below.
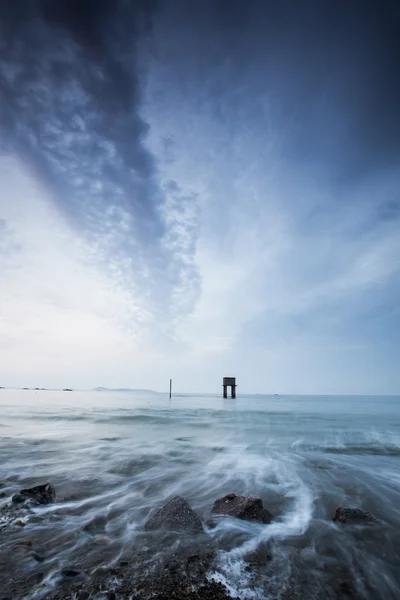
(104, 389)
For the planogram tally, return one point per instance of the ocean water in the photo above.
(118, 456)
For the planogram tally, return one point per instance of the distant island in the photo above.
(104, 389)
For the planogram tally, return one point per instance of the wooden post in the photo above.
(170, 388)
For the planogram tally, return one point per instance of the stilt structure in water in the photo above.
(229, 382)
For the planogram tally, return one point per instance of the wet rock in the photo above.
(102, 540)
(36, 519)
(38, 557)
(72, 573)
(22, 544)
(36, 578)
(40, 494)
(96, 525)
(248, 508)
(258, 559)
(168, 590)
(347, 589)
(176, 515)
(353, 516)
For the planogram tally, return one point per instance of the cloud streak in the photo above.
(74, 114)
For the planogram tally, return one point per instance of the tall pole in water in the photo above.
(170, 388)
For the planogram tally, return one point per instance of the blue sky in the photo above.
(193, 191)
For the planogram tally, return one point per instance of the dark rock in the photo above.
(22, 544)
(40, 494)
(212, 590)
(354, 516)
(37, 557)
(248, 508)
(36, 519)
(176, 515)
(36, 578)
(347, 589)
(70, 573)
(258, 559)
(20, 523)
(3, 495)
(96, 525)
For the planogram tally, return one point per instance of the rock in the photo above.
(22, 544)
(38, 557)
(36, 578)
(36, 519)
(69, 573)
(258, 559)
(248, 508)
(20, 523)
(40, 494)
(96, 525)
(176, 515)
(102, 540)
(354, 516)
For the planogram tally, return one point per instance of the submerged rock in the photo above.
(71, 573)
(248, 508)
(40, 494)
(96, 525)
(176, 515)
(353, 515)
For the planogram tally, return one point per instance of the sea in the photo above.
(115, 457)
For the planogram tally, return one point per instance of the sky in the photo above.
(192, 190)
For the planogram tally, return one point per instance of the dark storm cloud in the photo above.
(70, 85)
(70, 79)
(71, 100)
(328, 70)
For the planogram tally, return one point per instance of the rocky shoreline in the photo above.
(174, 559)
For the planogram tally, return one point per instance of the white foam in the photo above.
(294, 522)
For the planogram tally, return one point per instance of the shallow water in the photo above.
(120, 455)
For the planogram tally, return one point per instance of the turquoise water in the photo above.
(120, 455)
